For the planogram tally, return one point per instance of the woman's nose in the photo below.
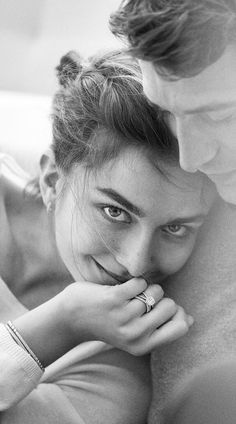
(138, 255)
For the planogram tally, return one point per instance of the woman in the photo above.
(86, 249)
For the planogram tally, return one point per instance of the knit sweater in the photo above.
(206, 288)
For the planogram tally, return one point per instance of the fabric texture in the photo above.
(19, 372)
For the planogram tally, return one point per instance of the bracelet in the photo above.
(20, 341)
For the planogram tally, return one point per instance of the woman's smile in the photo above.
(133, 220)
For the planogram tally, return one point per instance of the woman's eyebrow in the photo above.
(114, 195)
(188, 219)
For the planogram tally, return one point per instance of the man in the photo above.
(187, 52)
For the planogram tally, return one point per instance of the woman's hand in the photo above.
(113, 314)
(87, 311)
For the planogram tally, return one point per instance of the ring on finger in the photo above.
(148, 300)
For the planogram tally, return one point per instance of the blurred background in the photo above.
(34, 34)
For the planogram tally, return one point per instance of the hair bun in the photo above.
(69, 67)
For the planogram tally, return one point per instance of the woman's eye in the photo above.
(116, 213)
(221, 118)
(175, 229)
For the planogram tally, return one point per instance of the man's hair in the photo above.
(180, 37)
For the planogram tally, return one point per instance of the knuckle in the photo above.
(112, 296)
(131, 342)
(159, 292)
(183, 327)
(170, 305)
(137, 350)
(141, 283)
(109, 298)
(180, 309)
(125, 336)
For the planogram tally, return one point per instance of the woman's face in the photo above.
(127, 220)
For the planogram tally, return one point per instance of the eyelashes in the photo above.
(177, 230)
(116, 214)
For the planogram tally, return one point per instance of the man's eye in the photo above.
(116, 213)
(175, 229)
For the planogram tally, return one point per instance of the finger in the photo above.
(138, 308)
(131, 288)
(163, 311)
(182, 315)
(170, 331)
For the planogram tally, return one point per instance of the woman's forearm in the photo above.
(46, 331)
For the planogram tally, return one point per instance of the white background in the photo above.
(34, 34)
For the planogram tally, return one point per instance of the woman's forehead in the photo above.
(133, 176)
(148, 165)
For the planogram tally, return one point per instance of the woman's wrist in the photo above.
(74, 311)
(16, 336)
(46, 330)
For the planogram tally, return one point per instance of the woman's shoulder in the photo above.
(11, 174)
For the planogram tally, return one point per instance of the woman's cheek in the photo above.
(91, 242)
(175, 258)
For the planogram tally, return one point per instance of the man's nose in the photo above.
(139, 255)
(196, 146)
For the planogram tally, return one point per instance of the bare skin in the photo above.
(85, 310)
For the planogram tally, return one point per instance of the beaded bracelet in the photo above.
(19, 340)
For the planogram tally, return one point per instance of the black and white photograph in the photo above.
(118, 212)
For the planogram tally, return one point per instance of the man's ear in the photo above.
(48, 178)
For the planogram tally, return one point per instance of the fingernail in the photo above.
(190, 320)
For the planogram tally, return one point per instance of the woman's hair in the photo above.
(180, 37)
(100, 109)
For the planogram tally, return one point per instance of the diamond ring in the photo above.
(148, 300)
